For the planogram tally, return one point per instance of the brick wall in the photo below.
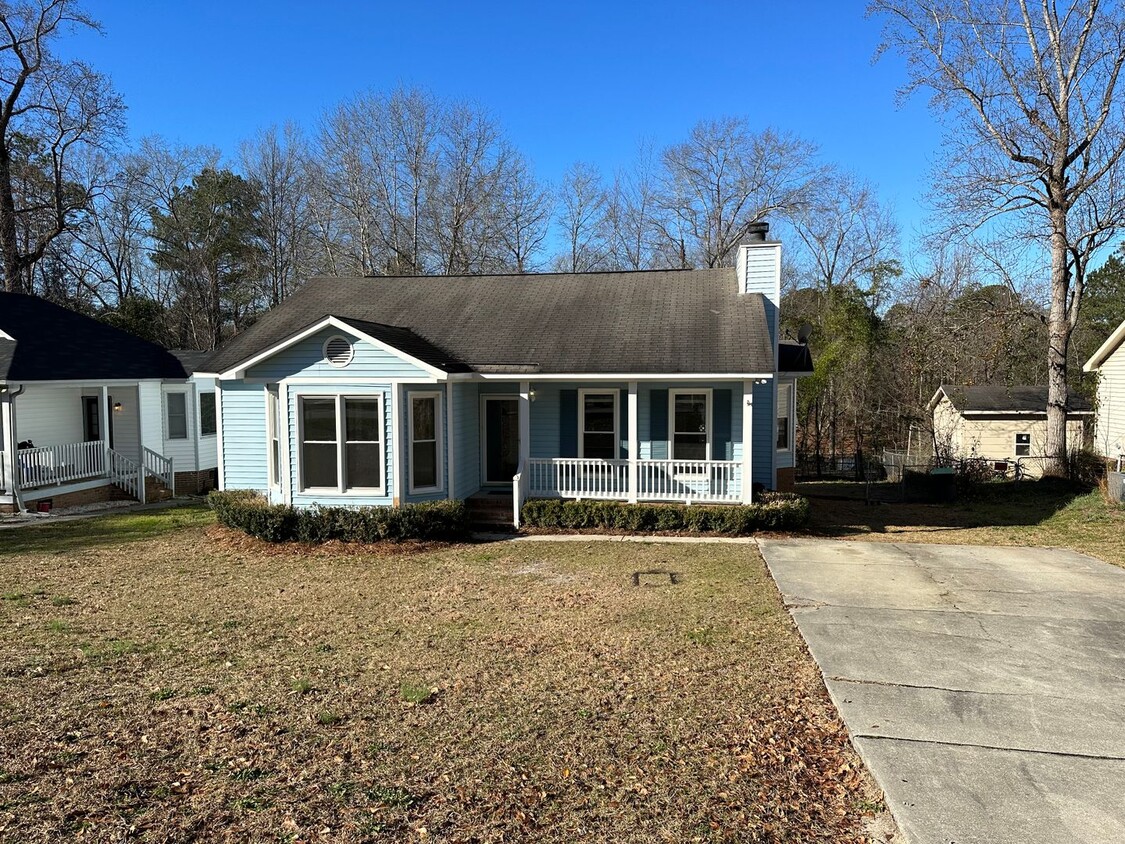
(196, 483)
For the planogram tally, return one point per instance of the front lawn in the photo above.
(1024, 513)
(165, 680)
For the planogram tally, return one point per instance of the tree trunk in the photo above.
(1058, 343)
(9, 243)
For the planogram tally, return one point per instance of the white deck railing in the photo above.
(159, 467)
(687, 481)
(127, 474)
(59, 464)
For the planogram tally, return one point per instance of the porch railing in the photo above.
(58, 464)
(160, 467)
(577, 477)
(687, 481)
(127, 474)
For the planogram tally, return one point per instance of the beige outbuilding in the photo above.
(1001, 424)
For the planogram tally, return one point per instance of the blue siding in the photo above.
(466, 439)
(763, 442)
(244, 435)
(328, 499)
(306, 359)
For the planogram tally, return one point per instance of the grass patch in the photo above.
(1043, 513)
(574, 706)
(415, 693)
(63, 601)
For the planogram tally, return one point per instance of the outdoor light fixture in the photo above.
(117, 407)
(531, 394)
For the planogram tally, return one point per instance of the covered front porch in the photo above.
(59, 440)
(688, 442)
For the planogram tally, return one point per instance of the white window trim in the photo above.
(199, 413)
(616, 394)
(439, 430)
(672, 423)
(273, 432)
(341, 459)
(790, 412)
(187, 416)
(1016, 443)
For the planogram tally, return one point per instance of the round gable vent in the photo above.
(338, 351)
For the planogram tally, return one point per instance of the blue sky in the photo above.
(568, 80)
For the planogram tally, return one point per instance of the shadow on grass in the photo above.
(842, 509)
(101, 531)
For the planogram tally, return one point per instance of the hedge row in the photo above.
(772, 511)
(249, 512)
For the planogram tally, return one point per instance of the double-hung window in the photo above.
(341, 443)
(273, 423)
(208, 419)
(1023, 445)
(425, 442)
(176, 411)
(691, 424)
(598, 425)
(784, 416)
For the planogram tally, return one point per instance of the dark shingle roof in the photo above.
(52, 343)
(1006, 399)
(190, 358)
(644, 322)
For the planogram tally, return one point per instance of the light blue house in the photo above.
(635, 386)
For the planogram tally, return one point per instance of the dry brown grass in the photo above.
(190, 685)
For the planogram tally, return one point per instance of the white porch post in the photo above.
(8, 427)
(634, 444)
(525, 422)
(104, 407)
(747, 441)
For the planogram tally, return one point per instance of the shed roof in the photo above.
(646, 322)
(1003, 398)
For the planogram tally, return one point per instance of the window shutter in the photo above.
(658, 424)
(568, 423)
(623, 424)
(720, 423)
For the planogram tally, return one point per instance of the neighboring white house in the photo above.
(91, 413)
(1109, 422)
(1004, 425)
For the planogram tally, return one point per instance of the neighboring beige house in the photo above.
(1109, 423)
(1005, 425)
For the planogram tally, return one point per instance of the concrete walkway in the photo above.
(35, 520)
(984, 687)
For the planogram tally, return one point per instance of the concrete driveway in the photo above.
(984, 687)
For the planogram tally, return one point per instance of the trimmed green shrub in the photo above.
(251, 513)
(772, 511)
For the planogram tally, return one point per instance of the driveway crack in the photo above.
(938, 742)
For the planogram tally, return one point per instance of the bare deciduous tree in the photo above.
(275, 160)
(1036, 135)
(722, 179)
(51, 110)
(582, 220)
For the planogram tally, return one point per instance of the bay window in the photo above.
(341, 443)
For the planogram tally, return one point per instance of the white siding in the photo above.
(149, 398)
(49, 415)
(1109, 427)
